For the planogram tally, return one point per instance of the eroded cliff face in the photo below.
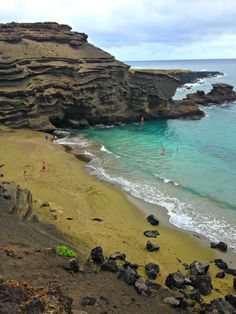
(51, 76)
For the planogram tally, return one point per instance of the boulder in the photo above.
(153, 220)
(193, 295)
(131, 265)
(173, 302)
(234, 283)
(220, 275)
(202, 283)
(153, 285)
(178, 302)
(151, 233)
(219, 306)
(97, 255)
(152, 270)
(74, 265)
(110, 265)
(117, 255)
(128, 275)
(231, 299)
(151, 247)
(175, 280)
(220, 246)
(142, 288)
(197, 268)
(220, 263)
(230, 271)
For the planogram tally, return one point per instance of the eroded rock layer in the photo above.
(51, 76)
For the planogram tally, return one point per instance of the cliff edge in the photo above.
(52, 77)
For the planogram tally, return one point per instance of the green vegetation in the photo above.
(159, 71)
(63, 250)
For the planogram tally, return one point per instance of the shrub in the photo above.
(63, 250)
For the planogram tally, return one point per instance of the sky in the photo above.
(140, 29)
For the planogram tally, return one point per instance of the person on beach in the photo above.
(46, 137)
(43, 166)
(142, 120)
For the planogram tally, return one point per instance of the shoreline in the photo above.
(74, 193)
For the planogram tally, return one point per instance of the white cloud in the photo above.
(152, 29)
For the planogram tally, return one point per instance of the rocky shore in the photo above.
(125, 263)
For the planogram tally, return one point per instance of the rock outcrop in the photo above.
(16, 201)
(219, 95)
(52, 77)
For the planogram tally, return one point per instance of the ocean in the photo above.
(196, 178)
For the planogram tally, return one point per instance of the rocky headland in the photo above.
(50, 76)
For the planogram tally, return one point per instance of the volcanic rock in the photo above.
(151, 247)
(128, 274)
(234, 283)
(231, 299)
(219, 306)
(117, 255)
(230, 271)
(52, 77)
(175, 280)
(153, 220)
(220, 263)
(151, 233)
(220, 275)
(110, 265)
(152, 270)
(220, 246)
(202, 283)
(97, 255)
(142, 288)
(197, 268)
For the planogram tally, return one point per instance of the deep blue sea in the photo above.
(196, 178)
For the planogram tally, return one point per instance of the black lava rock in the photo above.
(202, 283)
(219, 306)
(220, 263)
(197, 268)
(175, 280)
(151, 233)
(153, 220)
(128, 274)
(230, 271)
(231, 299)
(151, 247)
(97, 255)
(117, 255)
(111, 266)
(220, 275)
(142, 288)
(220, 246)
(152, 270)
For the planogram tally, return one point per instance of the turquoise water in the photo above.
(196, 178)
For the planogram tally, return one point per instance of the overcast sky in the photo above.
(140, 29)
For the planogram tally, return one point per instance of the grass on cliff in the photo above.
(63, 250)
(158, 71)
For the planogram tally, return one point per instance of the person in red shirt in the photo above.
(43, 166)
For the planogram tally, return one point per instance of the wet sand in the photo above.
(72, 193)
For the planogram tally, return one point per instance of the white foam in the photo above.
(183, 215)
(103, 149)
(73, 141)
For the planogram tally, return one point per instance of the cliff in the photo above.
(52, 77)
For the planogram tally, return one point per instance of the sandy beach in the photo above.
(75, 198)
